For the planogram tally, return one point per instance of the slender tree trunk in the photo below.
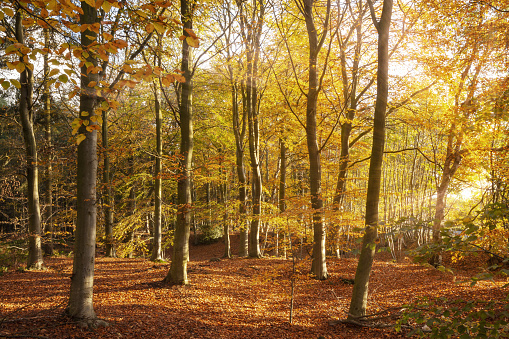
(156, 248)
(226, 224)
(35, 260)
(80, 304)
(318, 266)
(178, 269)
(239, 130)
(360, 289)
(49, 148)
(282, 190)
(108, 199)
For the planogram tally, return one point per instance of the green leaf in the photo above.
(63, 78)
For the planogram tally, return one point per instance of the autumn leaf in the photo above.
(53, 72)
(63, 78)
(193, 42)
(149, 28)
(80, 138)
(8, 11)
(15, 83)
(106, 6)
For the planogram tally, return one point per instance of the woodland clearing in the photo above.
(226, 298)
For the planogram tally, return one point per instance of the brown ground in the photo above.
(230, 298)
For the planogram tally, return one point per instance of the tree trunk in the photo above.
(156, 248)
(239, 130)
(26, 114)
(178, 269)
(318, 266)
(108, 199)
(80, 304)
(360, 289)
(49, 149)
(282, 191)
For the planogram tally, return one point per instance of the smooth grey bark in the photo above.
(251, 32)
(26, 80)
(239, 130)
(108, 199)
(49, 149)
(157, 225)
(318, 265)
(80, 305)
(282, 192)
(351, 101)
(178, 268)
(360, 289)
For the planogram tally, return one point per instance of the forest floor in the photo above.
(227, 298)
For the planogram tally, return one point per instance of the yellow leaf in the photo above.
(53, 72)
(12, 65)
(107, 36)
(20, 67)
(90, 128)
(5, 84)
(84, 114)
(86, 122)
(159, 27)
(90, 2)
(8, 12)
(193, 42)
(106, 6)
(92, 83)
(15, 83)
(80, 138)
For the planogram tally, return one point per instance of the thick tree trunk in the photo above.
(318, 266)
(360, 289)
(80, 304)
(178, 269)
(157, 230)
(26, 114)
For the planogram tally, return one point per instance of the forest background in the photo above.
(307, 128)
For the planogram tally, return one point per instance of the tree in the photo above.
(26, 112)
(178, 269)
(80, 305)
(360, 289)
(306, 7)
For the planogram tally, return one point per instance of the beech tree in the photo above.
(306, 7)
(26, 111)
(80, 305)
(369, 240)
(178, 269)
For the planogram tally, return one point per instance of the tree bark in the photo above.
(108, 199)
(178, 269)
(156, 248)
(80, 304)
(360, 289)
(26, 80)
(49, 148)
(318, 265)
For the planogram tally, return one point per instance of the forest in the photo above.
(254, 168)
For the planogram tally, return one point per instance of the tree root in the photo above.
(91, 324)
(374, 320)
